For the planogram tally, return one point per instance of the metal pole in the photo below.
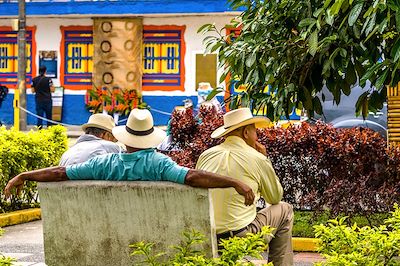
(22, 62)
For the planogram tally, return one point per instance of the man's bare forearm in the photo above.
(203, 179)
(51, 174)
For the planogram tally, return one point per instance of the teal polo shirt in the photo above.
(144, 165)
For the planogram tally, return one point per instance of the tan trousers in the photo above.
(280, 217)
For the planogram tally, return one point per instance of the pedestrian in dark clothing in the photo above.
(42, 86)
(3, 94)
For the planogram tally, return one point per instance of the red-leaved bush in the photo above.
(348, 171)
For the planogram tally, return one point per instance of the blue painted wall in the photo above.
(75, 113)
(116, 7)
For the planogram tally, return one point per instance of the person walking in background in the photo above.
(97, 140)
(3, 94)
(42, 86)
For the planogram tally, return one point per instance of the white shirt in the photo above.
(86, 147)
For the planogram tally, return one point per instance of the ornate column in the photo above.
(118, 53)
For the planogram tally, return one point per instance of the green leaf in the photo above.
(251, 59)
(313, 43)
(393, 5)
(351, 77)
(371, 24)
(317, 105)
(356, 31)
(336, 92)
(355, 13)
(213, 93)
(375, 101)
(346, 88)
(307, 22)
(329, 19)
(205, 28)
(308, 103)
(381, 80)
(360, 103)
(398, 20)
(335, 8)
(383, 26)
(318, 11)
(215, 47)
(369, 73)
(395, 52)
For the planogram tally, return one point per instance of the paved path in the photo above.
(25, 243)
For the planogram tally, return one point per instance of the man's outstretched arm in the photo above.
(51, 174)
(203, 179)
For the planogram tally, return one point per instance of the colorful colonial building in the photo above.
(112, 45)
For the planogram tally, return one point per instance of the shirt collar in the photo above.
(87, 137)
(234, 141)
(136, 154)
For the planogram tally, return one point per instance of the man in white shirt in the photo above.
(97, 140)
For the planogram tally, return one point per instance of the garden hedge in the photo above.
(348, 171)
(21, 152)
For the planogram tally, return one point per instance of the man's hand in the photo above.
(246, 192)
(17, 182)
(261, 148)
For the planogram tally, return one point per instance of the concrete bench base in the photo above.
(93, 222)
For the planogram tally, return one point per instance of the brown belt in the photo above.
(230, 233)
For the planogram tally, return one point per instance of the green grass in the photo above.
(305, 220)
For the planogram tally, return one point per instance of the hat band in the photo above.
(139, 133)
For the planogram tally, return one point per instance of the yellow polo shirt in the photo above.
(236, 159)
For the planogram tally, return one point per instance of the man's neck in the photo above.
(132, 149)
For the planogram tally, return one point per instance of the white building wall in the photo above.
(48, 38)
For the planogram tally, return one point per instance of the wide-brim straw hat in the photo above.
(239, 118)
(101, 121)
(139, 131)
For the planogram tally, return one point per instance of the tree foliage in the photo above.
(299, 46)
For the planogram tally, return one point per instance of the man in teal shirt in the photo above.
(140, 162)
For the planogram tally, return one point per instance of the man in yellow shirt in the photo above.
(241, 156)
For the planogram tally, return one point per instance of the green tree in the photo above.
(298, 46)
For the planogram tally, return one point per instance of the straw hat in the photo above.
(101, 121)
(139, 131)
(239, 118)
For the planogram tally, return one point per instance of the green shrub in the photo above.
(354, 245)
(21, 152)
(304, 221)
(320, 167)
(232, 253)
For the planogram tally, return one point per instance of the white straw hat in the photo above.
(101, 121)
(139, 131)
(239, 118)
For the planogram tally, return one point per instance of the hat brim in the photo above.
(260, 122)
(85, 126)
(141, 142)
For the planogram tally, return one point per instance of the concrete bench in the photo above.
(93, 222)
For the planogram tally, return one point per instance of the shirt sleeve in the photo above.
(270, 187)
(171, 171)
(83, 171)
